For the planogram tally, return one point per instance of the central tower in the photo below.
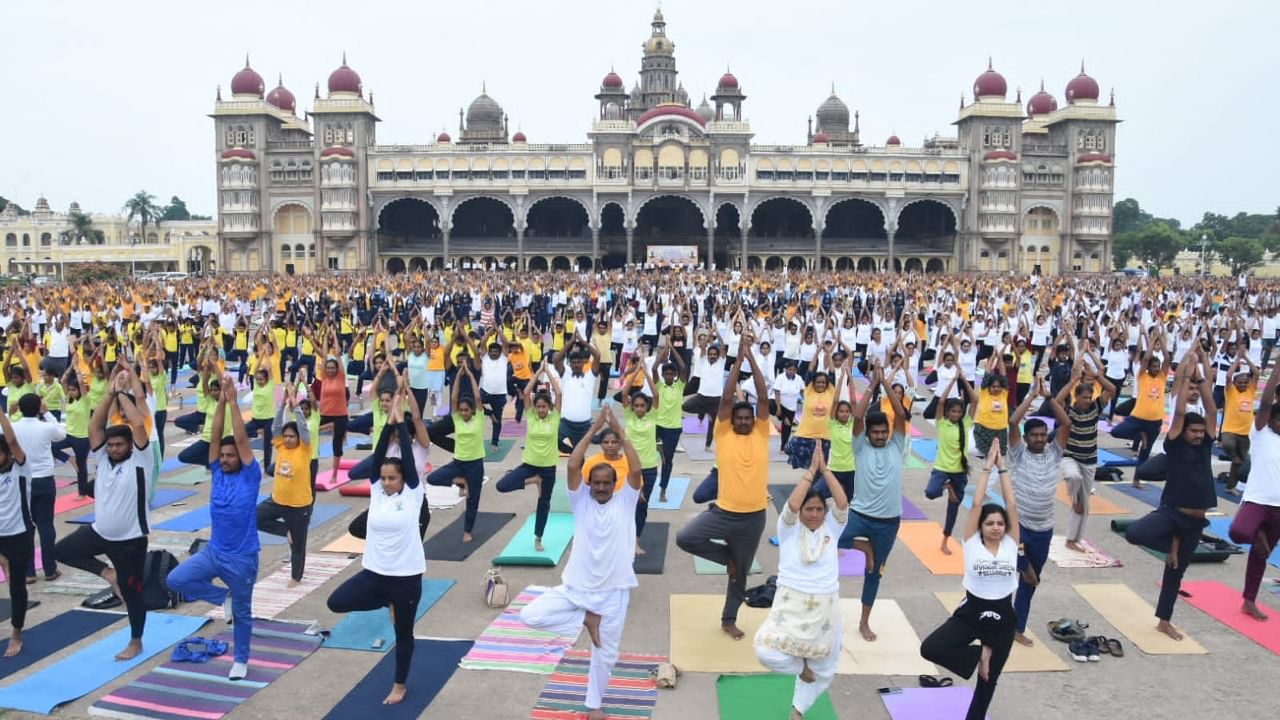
(658, 83)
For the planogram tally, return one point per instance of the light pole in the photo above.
(1204, 269)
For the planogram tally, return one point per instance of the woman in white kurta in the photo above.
(801, 636)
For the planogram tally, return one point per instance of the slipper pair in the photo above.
(929, 681)
(1108, 646)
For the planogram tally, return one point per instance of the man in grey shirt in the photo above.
(1036, 465)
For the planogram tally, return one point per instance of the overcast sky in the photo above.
(104, 98)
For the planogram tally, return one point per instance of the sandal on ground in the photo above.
(1114, 648)
(929, 681)
(1101, 642)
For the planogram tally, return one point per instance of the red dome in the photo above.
(1000, 155)
(247, 81)
(613, 81)
(671, 109)
(238, 154)
(820, 139)
(990, 84)
(519, 137)
(728, 81)
(1042, 103)
(893, 141)
(282, 98)
(1082, 87)
(443, 138)
(345, 80)
(1093, 158)
(337, 151)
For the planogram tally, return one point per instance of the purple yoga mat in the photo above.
(911, 512)
(693, 426)
(949, 703)
(853, 563)
(513, 429)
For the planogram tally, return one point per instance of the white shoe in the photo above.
(239, 671)
(679, 447)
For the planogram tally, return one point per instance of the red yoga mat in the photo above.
(1223, 603)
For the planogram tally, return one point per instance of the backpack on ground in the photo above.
(156, 594)
(761, 596)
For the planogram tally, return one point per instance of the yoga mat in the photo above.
(163, 497)
(697, 452)
(272, 594)
(555, 540)
(1223, 603)
(347, 463)
(694, 426)
(1116, 458)
(1135, 618)
(993, 493)
(447, 543)
(193, 520)
(358, 630)
(632, 691)
(1221, 528)
(512, 429)
(654, 543)
(911, 462)
(764, 696)
(896, 650)
(498, 454)
(1098, 505)
(509, 644)
(348, 543)
(1149, 493)
(1220, 489)
(703, 566)
(948, 703)
(194, 476)
(321, 513)
(435, 663)
(853, 563)
(926, 449)
(172, 463)
(560, 496)
(1093, 557)
(1037, 658)
(328, 481)
(202, 691)
(69, 501)
(924, 539)
(676, 491)
(93, 666)
(53, 635)
(362, 488)
(911, 512)
(699, 645)
(326, 445)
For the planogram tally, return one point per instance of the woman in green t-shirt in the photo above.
(950, 471)
(466, 470)
(642, 431)
(668, 394)
(541, 454)
(77, 439)
(840, 426)
(263, 412)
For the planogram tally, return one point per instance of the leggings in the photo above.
(604, 372)
(650, 476)
(17, 549)
(1254, 519)
(189, 423)
(704, 405)
(367, 590)
(515, 480)
(989, 621)
(1143, 432)
(339, 432)
(1035, 552)
(440, 432)
(81, 549)
(494, 405)
(251, 429)
(669, 438)
(881, 532)
(938, 479)
(79, 446)
(473, 472)
(786, 418)
(287, 522)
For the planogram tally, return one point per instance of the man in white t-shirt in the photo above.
(597, 580)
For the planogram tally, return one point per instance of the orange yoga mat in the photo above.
(923, 538)
(1098, 505)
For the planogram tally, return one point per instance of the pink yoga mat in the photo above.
(69, 501)
(853, 563)
(513, 429)
(327, 481)
(949, 703)
(347, 464)
(1223, 603)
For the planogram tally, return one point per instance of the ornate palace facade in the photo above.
(1018, 188)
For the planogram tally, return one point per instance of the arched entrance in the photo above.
(925, 227)
(797, 264)
(199, 260)
(613, 236)
(480, 224)
(410, 225)
(418, 264)
(781, 224)
(669, 220)
(395, 265)
(867, 264)
(728, 236)
(844, 264)
(935, 265)
(584, 263)
(291, 232)
(1040, 241)
(854, 225)
(773, 264)
(538, 263)
(560, 262)
(914, 265)
(555, 217)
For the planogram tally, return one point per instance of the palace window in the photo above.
(840, 176)
(859, 177)
(878, 177)
(386, 176)
(895, 177)
(804, 176)
(577, 174)
(822, 176)
(405, 176)
(764, 174)
(423, 175)
(785, 175)
(517, 174)
(914, 177)
(498, 174)
(480, 175)
(537, 175)
(460, 175)
(556, 175)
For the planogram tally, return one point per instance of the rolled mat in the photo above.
(764, 696)
(321, 513)
(1204, 552)
(654, 543)
(163, 497)
(896, 650)
(1221, 529)
(362, 630)
(699, 645)
(1039, 657)
(1222, 602)
(53, 635)
(948, 703)
(191, 690)
(355, 489)
(435, 662)
(93, 666)
(632, 691)
(347, 463)
(509, 644)
(1134, 617)
(328, 480)
(555, 539)
(677, 489)
(447, 543)
(1098, 505)
(923, 539)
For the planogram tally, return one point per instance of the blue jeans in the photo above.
(79, 446)
(1035, 551)
(1143, 431)
(650, 476)
(882, 532)
(669, 438)
(934, 490)
(515, 480)
(844, 477)
(473, 472)
(192, 580)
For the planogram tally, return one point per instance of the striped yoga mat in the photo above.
(632, 693)
(509, 644)
(272, 594)
(189, 690)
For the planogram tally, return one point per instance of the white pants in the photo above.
(824, 671)
(561, 610)
(1079, 479)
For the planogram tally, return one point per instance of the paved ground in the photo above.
(1223, 684)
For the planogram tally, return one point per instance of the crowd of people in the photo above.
(840, 364)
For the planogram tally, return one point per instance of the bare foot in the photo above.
(130, 651)
(984, 665)
(1233, 491)
(1023, 640)
(1167, 628)
(1138, 483)
(395, 696)
(865, 630)
(796, 714)
(1077, 547)
(662, 496)
(596, 714)
(466, 537)
(731, 629)
(1029, 576)
(1174, 547)
(639, 551)
(537, 545)
(294, 583)
(591, 621)
(534, 481)
(15, 644)
(806, 674)
(945, 547)
(462, 487)
(1249, 608)
(951, 493)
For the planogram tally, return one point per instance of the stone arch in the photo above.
(773, 264)
(613, 234)
(669, 220)
(797, 263)
(395, 265)
(854, 217)
(383, 204)
(583, 263)
(824, 263)
(437, 263)
(755, 207)
(560, 262)
(482, 216)
(753, 263)
(417, 264)
(408, 222)
(701, 210)
(946, 203)
(557, 216)
(914, 265)
(867, 264)
(538, 263)
(935, 265)
(925, 225)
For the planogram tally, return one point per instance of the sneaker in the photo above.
(1079, 650)
(1094, 651)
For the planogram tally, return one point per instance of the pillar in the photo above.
(445, 237)
(711, 246)
(631, 232)
(891, 232)
(595, 249)
(817, 249)
(520, 248)
(746, 233)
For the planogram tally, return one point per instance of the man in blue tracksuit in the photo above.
(232, 552)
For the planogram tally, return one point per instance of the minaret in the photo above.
(658, 82)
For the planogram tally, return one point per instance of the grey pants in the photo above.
(1079, 479)
(739, 536)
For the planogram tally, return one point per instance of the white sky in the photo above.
(105, 98)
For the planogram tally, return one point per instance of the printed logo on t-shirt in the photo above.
(993, 568)
(285, 469)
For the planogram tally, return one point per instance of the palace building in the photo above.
(1020, 187)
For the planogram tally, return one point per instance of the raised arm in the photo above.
(133, 415)
(573, 469)
(899, 412)
(1263, 415)
(725, 412)
(15, 447)
(1015, 422)
(757, 376)
(635, 476)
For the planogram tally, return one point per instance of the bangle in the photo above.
(1002, 471)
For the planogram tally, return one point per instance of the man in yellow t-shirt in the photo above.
(1237, 418)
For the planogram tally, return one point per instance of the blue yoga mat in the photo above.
(926, 449)
(172, 463)
(676, 491)
(193, 520)
(1221, 490)
(54, 634)
(321, 513)
(93, 666)
(993, 492)
(434, 662)
(164, 496)
(1106, 458)
(1221, 527)
(1149, 493)
(358, 630)
(326, 445)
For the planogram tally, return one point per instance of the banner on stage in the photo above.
(672, 256)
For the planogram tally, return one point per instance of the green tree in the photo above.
(95, 272)
(1157, 244)
(1128, 216)
(81, 228)
(4, 203)
(176, 210)
(1241, 253)
(201, 217)
(1122, 250)
(143, 206)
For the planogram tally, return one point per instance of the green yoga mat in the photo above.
(188, 478)
(913, 463)
(560, 496)
(554, 539)
(1204, 552)
(702, 566)
(747, 697)
(498, 454)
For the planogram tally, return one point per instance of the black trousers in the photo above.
(81, 549)
(17, 549)
(991, 622)
(43, 495)
(740, 533)
(704, 405)
(291, 522)
(367, 590)
(1156, 530)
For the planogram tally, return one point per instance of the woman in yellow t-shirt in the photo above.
(819, 400)
(991, 412)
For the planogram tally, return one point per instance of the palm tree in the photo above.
(82, 228)
(143, 206)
